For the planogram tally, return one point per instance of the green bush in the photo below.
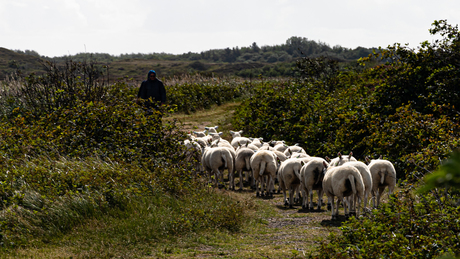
(97, 157)
(409, 226)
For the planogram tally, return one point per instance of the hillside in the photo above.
(247, 62)
(10, 61)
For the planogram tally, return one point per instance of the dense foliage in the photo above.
(403, 109)
(76, 148)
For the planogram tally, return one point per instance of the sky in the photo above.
(68, 27)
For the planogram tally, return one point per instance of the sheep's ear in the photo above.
(231, 132)
(339, 155)
(220, 133)
(328, 159)
(380, 157)
(297, 144)
(241, 131)
(351, 154)
(216, 127)
(302, 163)
(367, 160)
(206, 128)
(325, 164)
(247, 144)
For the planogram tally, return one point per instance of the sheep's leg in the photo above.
(331, 200)
(262, 185)
(379, 194)
(310, 193)
(271, 184)
(304, 197)
(297, 190)
(291, 196)
(366, 196)
(241, 179)
(256, 185)
(320, 198)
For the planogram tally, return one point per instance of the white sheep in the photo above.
(279, 146)
(294, 149)
(367, 178)
(200, 134)
(211, 129)
(216, 160)
(288, 177)
(341, 159)
(383, 174)
(257, 142)
(264, 163)
(342, 181)
(311, 178)
(238, 141)
(236, 133)
(242, 163)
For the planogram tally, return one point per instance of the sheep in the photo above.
(237, 141)
(211, 129)
(220, 142)
(367, 178)
(279, 146)
(288, 176)
(341, 159)
(200, 134)
(203, 142)
(299, 155)
(383, 174)
(266, 146)
(236, 133)
(257, 142)
(242, 163)
(264, 163)
(193, 154)
(294, 149)
(311, 178)
(342, 181)
(215, 160)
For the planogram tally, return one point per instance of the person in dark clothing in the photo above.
(153, 92)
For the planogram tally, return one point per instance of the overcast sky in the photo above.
(63, 27)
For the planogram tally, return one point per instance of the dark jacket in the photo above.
(152, 88)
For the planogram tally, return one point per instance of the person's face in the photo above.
(152, 76)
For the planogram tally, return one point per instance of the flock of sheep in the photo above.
(351, 181)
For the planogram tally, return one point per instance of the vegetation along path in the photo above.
(281, 232)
